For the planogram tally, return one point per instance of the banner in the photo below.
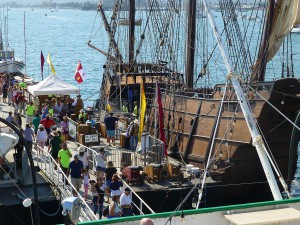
(142, 110)
(161, 117)
(50, 64)
(79, 73)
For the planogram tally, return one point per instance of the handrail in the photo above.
(132, 191)
(64, 191)
(141, 200)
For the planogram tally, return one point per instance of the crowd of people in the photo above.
(42, 116)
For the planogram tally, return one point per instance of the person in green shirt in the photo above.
(124, 108)
(29, 111)
(82, 116)
(36, 122)
(23, 85)
(64, 157)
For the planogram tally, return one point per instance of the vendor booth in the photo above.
(53, 85)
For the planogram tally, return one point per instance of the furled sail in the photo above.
(285, 15)
(297, 21)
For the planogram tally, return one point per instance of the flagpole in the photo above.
(155, 118)
(25, 45)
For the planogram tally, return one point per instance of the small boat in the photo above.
(296, 29)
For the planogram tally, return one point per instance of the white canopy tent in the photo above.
(53, 85)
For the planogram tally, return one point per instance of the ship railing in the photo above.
(54, 173)
(115, 155)
(141, 201)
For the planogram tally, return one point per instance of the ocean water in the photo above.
(64, 34)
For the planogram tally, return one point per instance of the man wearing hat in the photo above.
(76, 169)
(125, 202)
(29, 112)
(54, 146)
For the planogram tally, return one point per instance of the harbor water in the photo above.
(65, 33)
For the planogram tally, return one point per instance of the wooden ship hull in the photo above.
(194, 121)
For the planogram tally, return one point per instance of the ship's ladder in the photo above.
(55, 175)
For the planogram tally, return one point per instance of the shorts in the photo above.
(107, 183)
(99, 168)
(77, 182)
(115, 192)
(29, 119)
(111, 133)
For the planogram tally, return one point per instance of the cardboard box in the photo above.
(93, 130)
(83, 129)
(81, 138)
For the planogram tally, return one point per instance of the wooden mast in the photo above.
(262, 56)
(131, 31)
(189, 70)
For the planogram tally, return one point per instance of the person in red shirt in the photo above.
(47, 123)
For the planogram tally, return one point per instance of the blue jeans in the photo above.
(133, 142)
(98, 207)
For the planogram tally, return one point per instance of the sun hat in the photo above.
(81, 149)
(81, 110)
(41, 126)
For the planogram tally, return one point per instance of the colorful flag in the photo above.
(161, 117)
(42, 62)
(79, 73)
(50, 64)
(108, 107)
(142, 110)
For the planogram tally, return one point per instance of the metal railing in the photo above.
(47, 164)
(115, 156)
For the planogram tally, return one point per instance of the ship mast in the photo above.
(189, 70)
(131, 31)
(256, 137)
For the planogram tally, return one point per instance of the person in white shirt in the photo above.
(100, 160)
(125, 201)
(83, 156)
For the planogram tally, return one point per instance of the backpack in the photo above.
(105, 211)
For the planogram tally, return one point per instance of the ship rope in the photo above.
(239, 44)
(277, 110)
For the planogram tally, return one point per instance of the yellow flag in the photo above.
(142, 111)
(50, 64)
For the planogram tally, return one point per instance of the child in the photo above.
(86, 178)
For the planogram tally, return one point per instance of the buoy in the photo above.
(27, 202)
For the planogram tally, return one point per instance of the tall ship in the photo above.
(211, 106)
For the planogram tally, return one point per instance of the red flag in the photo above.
(79, 73)
(161, 118)
(42, 62)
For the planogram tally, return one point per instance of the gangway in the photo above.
(47, 165)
